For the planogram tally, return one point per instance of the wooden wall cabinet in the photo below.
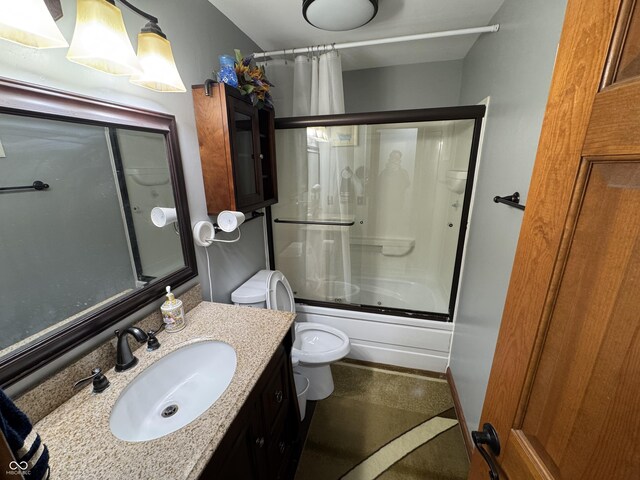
(263, 441)
(237, 150)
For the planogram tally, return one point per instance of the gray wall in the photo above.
(514, 68)
(198, 33)
(420, 85)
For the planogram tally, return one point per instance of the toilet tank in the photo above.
(253, 292)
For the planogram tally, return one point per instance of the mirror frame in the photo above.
(19, 98)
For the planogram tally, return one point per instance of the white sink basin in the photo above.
(173, 392)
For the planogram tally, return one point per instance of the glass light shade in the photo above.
(159, 71)
(338, 15)
(100, 39)
(29, 23)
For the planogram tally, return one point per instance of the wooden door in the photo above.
(564, 391)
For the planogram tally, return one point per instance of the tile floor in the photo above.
(384, 424)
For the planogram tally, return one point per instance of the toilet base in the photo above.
(320, 380)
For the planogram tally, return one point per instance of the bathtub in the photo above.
(426, 296)
(387, 339)
(423, 296)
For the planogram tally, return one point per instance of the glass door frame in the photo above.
(466, 112)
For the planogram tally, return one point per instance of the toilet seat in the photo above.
(318, 343)
(279, 293)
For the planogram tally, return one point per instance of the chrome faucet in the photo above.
(124, 358)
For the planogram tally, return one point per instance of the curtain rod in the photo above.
(379, 41)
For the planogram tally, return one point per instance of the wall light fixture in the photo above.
(29, 23)
(100, 41)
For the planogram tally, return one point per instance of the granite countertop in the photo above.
(81, 445)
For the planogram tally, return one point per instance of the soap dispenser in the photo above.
(172, 313)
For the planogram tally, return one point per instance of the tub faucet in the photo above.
(124, 358)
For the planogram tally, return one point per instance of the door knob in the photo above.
(489, 437)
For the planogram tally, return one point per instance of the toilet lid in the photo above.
(279, 294)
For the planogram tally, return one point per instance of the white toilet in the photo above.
(315, 345)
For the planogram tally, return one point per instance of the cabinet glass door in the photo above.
(247, 169)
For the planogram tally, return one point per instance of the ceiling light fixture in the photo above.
(29, 23)
(101, 41)
(339, 15)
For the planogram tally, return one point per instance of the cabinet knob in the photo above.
(279, 396)
(260, 442)
(261, 156)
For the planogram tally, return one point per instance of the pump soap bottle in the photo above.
(172, 313)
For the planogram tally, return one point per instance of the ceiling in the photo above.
(279, 24)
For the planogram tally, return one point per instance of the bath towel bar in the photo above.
(37, 185)
(308, 222)
(511, 200)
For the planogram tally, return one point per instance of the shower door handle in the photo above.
(309, 222)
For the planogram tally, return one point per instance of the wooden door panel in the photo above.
(626, 61)
(622, 136)
(580, 418)
(525, 461)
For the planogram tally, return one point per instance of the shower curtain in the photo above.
(318, 90)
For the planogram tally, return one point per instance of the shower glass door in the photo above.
(373, 214)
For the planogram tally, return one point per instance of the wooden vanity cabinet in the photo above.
(237, 150)
(261, 441)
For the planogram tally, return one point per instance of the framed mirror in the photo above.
(79, 247)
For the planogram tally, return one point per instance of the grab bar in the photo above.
(308, 222)
(511, 200)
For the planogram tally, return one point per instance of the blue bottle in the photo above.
(228, 70)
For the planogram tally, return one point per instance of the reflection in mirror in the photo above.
(88, 239)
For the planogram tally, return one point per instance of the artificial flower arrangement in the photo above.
(252, 81)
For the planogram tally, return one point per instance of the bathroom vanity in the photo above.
(249, 432)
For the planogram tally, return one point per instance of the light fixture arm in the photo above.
(151, 18)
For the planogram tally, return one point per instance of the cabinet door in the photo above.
(245, 151)
(242, 454)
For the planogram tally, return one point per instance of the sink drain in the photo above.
(169, 411)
